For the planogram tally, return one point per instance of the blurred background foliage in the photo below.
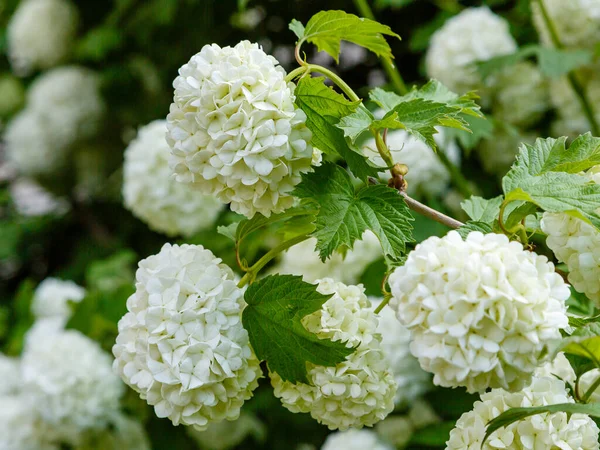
(137, 47)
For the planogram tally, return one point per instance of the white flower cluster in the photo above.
(519, 94)
(542, 431)
(302, 259)
(357, 392)
(426, 174)
(64, 106)
(354, 440)
(481, 311)
(476, 34)
(51, 300)
(71, 379)
(9, 374)
(234, 130)
(41, 34)
(412, 381)
(577, 22)
(20, 426)
(151, 192)
(182, 346)
(586, 381)
(31, 199)
(577, 244)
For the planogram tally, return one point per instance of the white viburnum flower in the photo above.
(475, 34)
(151, 192)
(482, 311)
(354, 440)
(51, 300)
(586, 382)
(32, 200)
(357, 392)
(41, 34)
(542, 431)
(576, 243)
(303, 259)
(558, 368)
(21, 427)
(426, 174)
(71, 380)
(10, 375)
(228, 434)
(68, 100)
(396, 430)
(234, 131)
(182, 346)
(412, 381)
(32, 146)
(577, 22)
(520, 94)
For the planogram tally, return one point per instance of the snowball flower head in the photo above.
(303, 259)
(182, 346)
(577, 22)
(357, 392)
(52, 297)
(520, 94)
(577, 244)
(71, 380)
(31, 199)
(426, 174)
(476, 34)
(151, 192)
(354, 440)
(481, 311)
(542, 431)
(21, 428)
(586, 381)
(412, 381)
(10, 375)
(68, 100)
(234, 130)
(41, 34)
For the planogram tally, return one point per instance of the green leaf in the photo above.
(344, 215)
(327, 29)
(470, 226)
(22, 316)
(112, 273)
(481, 128)
(516, 414)
(98, 43)
(355, 124)
(297, 27)
(557, 62)
(273, 318)
(482, 210)
(229, 231)
(581, 155)
(324, 108)
(498, 63)
(435, 435)
(587, 348)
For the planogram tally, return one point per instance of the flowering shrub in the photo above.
(301, 251)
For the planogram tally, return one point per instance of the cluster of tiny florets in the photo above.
(31, 200)
(357, 392)
(234, 131)
(182, 346)
(51, 299)
(303, 259)
(151, 192)
(481, 311)
(41, 34)
(354, 440)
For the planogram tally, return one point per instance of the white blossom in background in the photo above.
(542, 431)
(51, 300)
(71, 380)
(124, 433)
(303, 259)
(68, 100)
(32, 146)
(412, 381)
(576, 243)
(475, 34)
(355, 440)
(41, 34)
(357, 392)
(151, 192)
(182, 346)
(21, 428)
(586, 381)
(229, 434)
(577, 22)
(10, 376)
(559, 367)
(234, 131)
(397, 430)
(498, 152)
(520, 94)
(31, 199)
(426, 174)
(481, 311)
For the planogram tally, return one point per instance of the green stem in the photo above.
(296, 73)
(385, 301)
(383, 149)
(264, 260)
(390, 68)
(307, 68)
(586, 105)
(591, 390)
(456, 176)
